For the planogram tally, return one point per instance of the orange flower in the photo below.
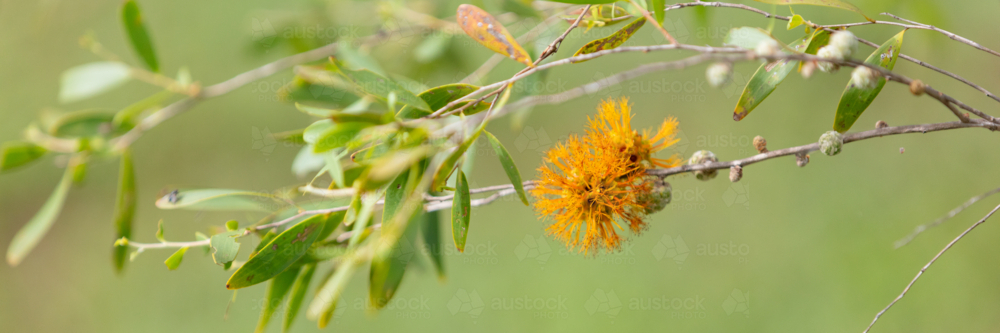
(592, 185)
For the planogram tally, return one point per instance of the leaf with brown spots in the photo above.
(487, 30)
(277, 256)
(616, 39)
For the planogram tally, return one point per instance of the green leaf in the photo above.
(391, 255)
(508, 166)
(377, 85)
(232, 225)
(614, 40)
(127, 117)
(18, 153)
(159, 231)
(137, 34)
(432, 47)
(124, 207)
(460, 213)
(225, 248)
(818, 39)
(333, 221)
(276, 291)
(315, 111)
(338, 135)
(33, 231)
(278, 254)
(657, 7)
(315, 130)
(430, 231)
(444, 170)
(764, 82)
(386, 167)
(218, 200)
(84, 81)
(440, 96)
(325, 302)
(263, 241)
(795, 21)
(604, 15)
(297, 296)
(175, 259)
(826, 3)
(855, 100)
(84, 123)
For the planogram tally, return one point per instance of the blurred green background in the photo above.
(786, 249)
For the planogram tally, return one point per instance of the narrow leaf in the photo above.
(175, 259)
(276, 291)
(159, 231)
(657, 7)
(616, 39)
(124, 208)
(486, 30)
(18, 153)
(136, 29)
(855, 99)
(33, 231)
(766, 80)
(298, 294)
(87, 80)
(460, 213)
(391, 254)
(440, 96)
(325, 302)
(278, 254)
(377, 85)
(508, 166)
(338, 135)
(444, 170)
(83, 123)
(218, 200)
(430, 224)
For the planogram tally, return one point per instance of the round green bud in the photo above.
(703, 157)
(658, 198)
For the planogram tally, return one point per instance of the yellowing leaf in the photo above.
(616, 39)
(487, 30)
(795, 21)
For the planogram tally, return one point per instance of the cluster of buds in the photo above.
(842, 45)
(831, 143)
(768, 48)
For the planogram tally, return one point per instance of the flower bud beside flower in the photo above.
(657, 198)
(735, 173)
(718, 73)
(831, 143)
(703, 157)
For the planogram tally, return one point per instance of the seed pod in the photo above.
(917, 87)
(831, 143)
(735, 173)
(760, 144)
(658, 198)
(880, 124)
(801, 160)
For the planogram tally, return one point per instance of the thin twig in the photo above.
(951, 35)
(863, 41)
(924, 269)
(923, 227)
(804, 149)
